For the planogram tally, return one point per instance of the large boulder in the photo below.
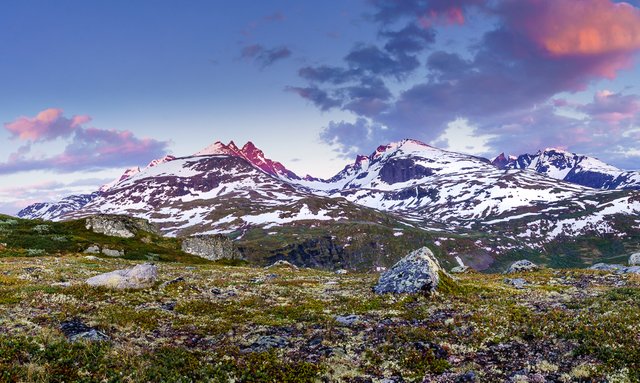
(138, 277)
(419, 271)
(634, 259)
(119, 226)
(521, 266)
(211, 247)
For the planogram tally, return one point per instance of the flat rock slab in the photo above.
(75, 330)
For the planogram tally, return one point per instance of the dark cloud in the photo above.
(505, 87)
(265, 57)
(354, 138)
(317, 96)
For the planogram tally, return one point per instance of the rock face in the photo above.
(418, 271)
(634, 259)
(521, 266)
(139, 277)
(119, 226)
(211, 247)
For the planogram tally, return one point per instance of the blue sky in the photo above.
(311, 83)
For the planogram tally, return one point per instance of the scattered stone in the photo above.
(265, 278)
(75, 330)
(91, 258)
(634, 259)
(348, 320)
(113, 253)
(93, 249)
(416, 272)
(467, 377)
(211, 247)
(521, 266)
(172, 282)
(283, 264)
(341, 272)
(518, 283)
(266, 343)
(168, 306)
(119, 226)
(141, 276)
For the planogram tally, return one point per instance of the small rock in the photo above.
(521, 266)
(264, 279)
(518, 283)
(61, 284)
(341, 272)
(93, 249)
(416, 272)
(348, 320)
(266, 343)
(634, 259)
(76, 330)
(168, 306)
(138, 277)
(283, 264)
(467, 377)
(460, 269)
(113, 253)
(91, 258)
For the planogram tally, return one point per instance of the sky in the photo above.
(89, 88)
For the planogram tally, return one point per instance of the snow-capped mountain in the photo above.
(253, 155)
(572, 167)
(215, 194)
(54, 211)
(225, 189)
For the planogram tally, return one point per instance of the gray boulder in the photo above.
(282, 264)
(93, 249)
(113, 253)
(417, 272)
(138, 277)
(522, 266)
(634, 259)
(211, 247)
(460, 269)
(518, 283)
(119, 226)
(606, 267)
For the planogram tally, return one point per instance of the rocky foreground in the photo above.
(209, 322)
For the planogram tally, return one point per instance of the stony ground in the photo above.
(231, 323)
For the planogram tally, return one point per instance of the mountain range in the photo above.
(402, 194)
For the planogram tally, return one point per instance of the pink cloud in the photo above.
(612, 108)
(604, 32)
(88, 148)
(45, 126)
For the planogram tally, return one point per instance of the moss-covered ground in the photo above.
(250, 324)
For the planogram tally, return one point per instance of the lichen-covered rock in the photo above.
(634, 259)
(138, 277)
(119, 226)
(211, 247)
(518, 283)
(521, 266)
(418, 271)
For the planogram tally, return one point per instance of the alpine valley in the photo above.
(555, 207)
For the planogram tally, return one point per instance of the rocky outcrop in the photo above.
(418, 272)
(521, 266)
(138, 277)
(119, 226)
(634, 259)
(618, 269)
(211, 247)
